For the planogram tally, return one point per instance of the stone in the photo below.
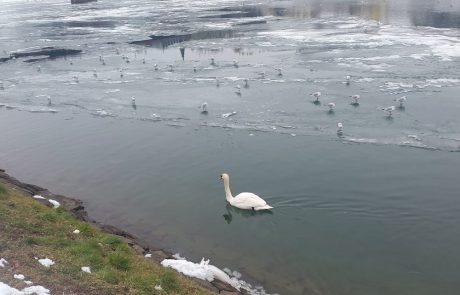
(222, 286)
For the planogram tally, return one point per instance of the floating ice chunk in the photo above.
(148, 255)
(413, 136)
(226, 115)
(55, 203)
(86, 269)
(202, 270)
(46, 262)
(19, 277)
(38, 197)
(3, 262)
(76, 231)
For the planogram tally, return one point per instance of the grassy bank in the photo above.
(30, 230)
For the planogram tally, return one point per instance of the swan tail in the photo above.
(265, 207)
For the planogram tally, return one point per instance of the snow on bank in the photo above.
(3, 262)
(46, 262)
(55, 203)
(202, 270)
(208, 272)
(7, 290)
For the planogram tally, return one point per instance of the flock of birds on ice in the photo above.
(355, 99)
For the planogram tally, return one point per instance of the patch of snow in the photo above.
(46, 262)
(38, 197)
(86, 269)
(3, 262)
(28, 282)
(76, 231)
(55, 203)
(148, 255)
(202, 270)
(158, 288)
(38, 290)
(178, 257)
(19, 277)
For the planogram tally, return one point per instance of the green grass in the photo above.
(3, 193)
(41, 232)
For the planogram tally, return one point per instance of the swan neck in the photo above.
(228, 193)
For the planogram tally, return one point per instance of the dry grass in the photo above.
(29, 229)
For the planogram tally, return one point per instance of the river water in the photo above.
(374, 210)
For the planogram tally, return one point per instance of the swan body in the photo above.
(247, 201)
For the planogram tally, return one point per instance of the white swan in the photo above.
(243, 200)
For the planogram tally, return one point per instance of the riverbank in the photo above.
(89, 257)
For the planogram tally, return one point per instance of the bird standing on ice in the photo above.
(401, 101)
(347, 80)
(339, 128)
(316, 95)
(247, 201)
(235, 63)
(355, 98)
(331, 107)
(204, 108)
(238, 90)
(389, 110)
(280, 72)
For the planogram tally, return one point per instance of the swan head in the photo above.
(224, 177)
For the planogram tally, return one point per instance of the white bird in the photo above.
(204, 108)
(121, 73)
(217, 83)
(246, 83)
(194, 69)
(49, 101)
(339, 128)
(75, 78)
(280, 73)
(355, 98)
(213, 62)
(103, 62)
(155, 67)
(2, 87)
(133, 101)
(171, 69)
(401, 101)
(389, 110)
(347, 80)
(94, 73)
(143, 60)
(243, 200)
(317, 95)
(39, 69)
(235, 63)
(331, 106)
(238, 90)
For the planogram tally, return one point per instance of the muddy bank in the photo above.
(77, 209)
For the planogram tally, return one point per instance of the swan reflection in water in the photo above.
(245, 213)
